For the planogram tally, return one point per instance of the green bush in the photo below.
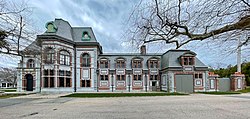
(220, 93)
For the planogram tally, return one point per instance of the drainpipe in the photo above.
(75, 67)
(168, 83)
(97, 85)
(112, 81)
(41, 73)
(128, 82)
(146, 82)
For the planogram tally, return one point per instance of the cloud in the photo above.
(105, 17)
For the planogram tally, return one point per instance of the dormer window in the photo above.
(86, 36)
(153, 63)
(136, 64)
(104, 63)
(188, 60)
(120, 64)
(51, 27)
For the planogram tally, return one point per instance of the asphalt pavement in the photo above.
(194, 106)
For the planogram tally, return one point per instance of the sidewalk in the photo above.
(42, 96)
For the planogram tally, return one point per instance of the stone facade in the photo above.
(70, 59)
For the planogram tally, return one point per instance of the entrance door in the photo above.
(29, 80)
(184, 83)
(154, 88)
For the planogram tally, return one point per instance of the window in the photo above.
(68, 73)
(61, 73)
(104, 77)
(153, 64)
(212, 84)
(120, 64)
(120, 77)
(51, 82)
(137, 64)
(85, 60)
(198, 76)
(30, 63)
(188, 61)
(198, 79)
(153, 77)
(198, 82)
(64, 78)
(46, 82)
(3, 84)
(48, 79)
(51, 27)
(61, 82)
(45, 72)
(85, 83)
(239, 83)
(64, 57)
(49, 55)
(85, 36)
(68, 82)
(137, 77)
(104, 64)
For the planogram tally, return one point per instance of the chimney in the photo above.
(143, 50)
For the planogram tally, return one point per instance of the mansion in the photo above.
(70, 59)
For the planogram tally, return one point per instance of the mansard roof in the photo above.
(130, 54)
(171, 59)
(65, 30)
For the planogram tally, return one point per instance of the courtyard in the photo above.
(186, 106)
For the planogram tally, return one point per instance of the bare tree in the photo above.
(183, 21)
(15, 30)
(9, 75)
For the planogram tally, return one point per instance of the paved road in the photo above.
(193, 106)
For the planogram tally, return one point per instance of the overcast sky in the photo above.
(108, 18)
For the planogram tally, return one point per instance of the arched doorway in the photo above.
(29, 82)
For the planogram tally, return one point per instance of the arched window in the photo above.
(85, 60)
(64, 57)
(30, 63)
(86, 36)
(49, 55)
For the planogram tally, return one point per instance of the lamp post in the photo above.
(112, 82)
(146, 82)
(128, 82)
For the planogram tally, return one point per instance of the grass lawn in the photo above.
(3, 96)
(95, 95)
(220, 93)
(247, 90)
(8, 90)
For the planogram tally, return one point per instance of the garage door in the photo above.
(184, 83)
(224, 84)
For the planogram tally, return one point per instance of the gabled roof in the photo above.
(33, 49)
